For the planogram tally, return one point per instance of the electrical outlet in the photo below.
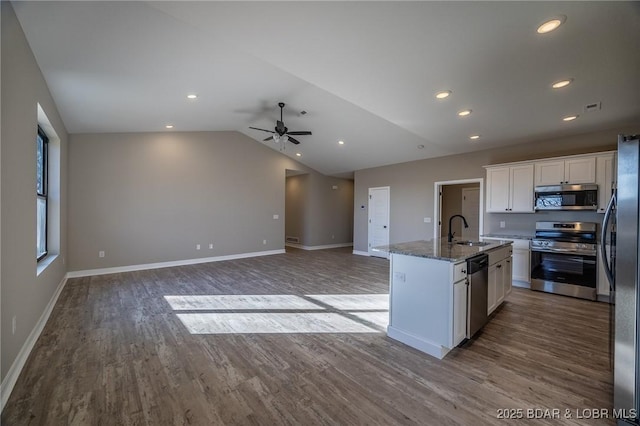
(264, 241)
(333, 237)
(101, 253)
(63, 260)
(210, 246)
(503, 224)
(13, 325)
(197, 246)
(275, 216)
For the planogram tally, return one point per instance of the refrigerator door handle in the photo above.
(603, 241)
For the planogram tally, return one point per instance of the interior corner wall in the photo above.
(319, 209)
(24, 294)
(152, 197)
(296, 193)
(411, 184)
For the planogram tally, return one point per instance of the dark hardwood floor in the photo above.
(115, 352)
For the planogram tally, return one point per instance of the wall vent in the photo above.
(595, 106)
(292, 239)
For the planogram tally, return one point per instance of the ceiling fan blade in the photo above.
(267, 139)
(262, 130)
(292, 140)
(305, 132)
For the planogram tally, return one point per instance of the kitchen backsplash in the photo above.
(525, 223)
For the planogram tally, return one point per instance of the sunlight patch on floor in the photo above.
(381, 319)
(260, 323)
(240, 301)
(351, 302)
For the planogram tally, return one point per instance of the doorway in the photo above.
(463, 197)
(378, 219)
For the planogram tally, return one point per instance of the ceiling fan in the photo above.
(281, 132)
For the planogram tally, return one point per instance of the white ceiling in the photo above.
(366, 72)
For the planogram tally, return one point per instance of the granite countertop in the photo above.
(509, 236)
(440, 249)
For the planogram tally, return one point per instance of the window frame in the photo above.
(44, 195)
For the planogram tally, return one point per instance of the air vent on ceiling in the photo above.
(594, 106)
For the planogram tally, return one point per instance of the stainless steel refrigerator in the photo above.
(621, 266)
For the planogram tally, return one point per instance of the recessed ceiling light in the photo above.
(169, 126)
(340, 142)
(562, 83)
(474, 137)
(443, 94)
(551, 24)
(420, 146)
(298, 154)
(464, 112)
(570, 117)
(192, 96)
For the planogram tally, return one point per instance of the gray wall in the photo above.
(151, 197)
(330, 211)
(317, 213)
(295, 202)
(412, 183)
(24, 294)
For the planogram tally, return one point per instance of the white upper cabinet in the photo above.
(572, 171)
(605, 178)
(520, 179)
(550, 172)
(510, 189)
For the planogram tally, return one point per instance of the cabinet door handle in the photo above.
(498, 266)
(463, 271)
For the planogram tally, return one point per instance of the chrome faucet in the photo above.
(450, 235)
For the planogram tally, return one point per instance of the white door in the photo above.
(471, 212)
(378, 219)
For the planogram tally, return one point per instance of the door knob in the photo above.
(385, 226)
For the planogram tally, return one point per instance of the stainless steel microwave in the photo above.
(566, 197)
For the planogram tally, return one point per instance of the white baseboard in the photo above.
(418, 343)
(324, 247)
(361, 253)
(14, 371)
(142, 267)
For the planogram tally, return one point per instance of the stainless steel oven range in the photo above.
(564, 259)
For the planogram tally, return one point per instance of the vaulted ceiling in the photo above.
(365, 72)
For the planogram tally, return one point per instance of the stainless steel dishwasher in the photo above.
(478, 276)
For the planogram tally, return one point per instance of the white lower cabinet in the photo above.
(428, 303)
(500, 280)
(459, 312)
(520, 264)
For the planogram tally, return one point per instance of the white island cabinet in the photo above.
(428, 293)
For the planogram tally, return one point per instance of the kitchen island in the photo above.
(428, 290)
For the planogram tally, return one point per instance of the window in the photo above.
(42, 183)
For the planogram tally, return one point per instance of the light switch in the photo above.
(427, 220)
(275, 216)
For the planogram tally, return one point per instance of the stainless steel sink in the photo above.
(473, 243)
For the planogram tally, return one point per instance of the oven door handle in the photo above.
(564, 251)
